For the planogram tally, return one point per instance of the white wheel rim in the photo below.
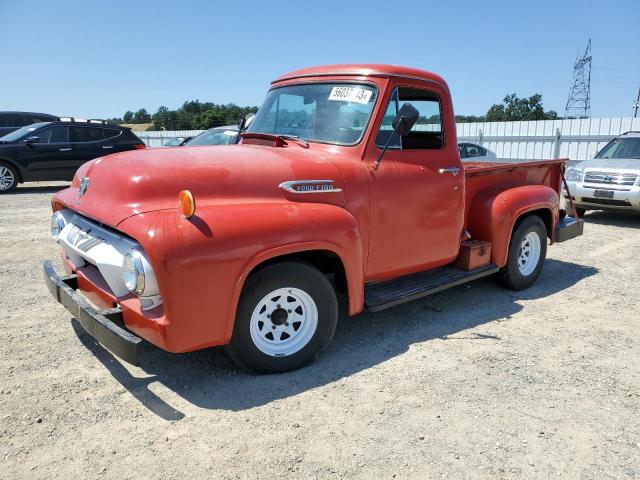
(529, 253)
(6, 178)
(283, 322)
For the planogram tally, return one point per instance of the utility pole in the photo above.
(636, 105)
(579, 101)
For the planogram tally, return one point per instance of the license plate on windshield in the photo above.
(603, 194)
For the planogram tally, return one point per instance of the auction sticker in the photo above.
(350, 94)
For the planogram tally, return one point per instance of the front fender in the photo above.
(494, 212)
(202, 263)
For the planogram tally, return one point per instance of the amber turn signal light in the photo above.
(187, 204)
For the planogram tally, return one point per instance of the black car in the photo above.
(10, 121)
(55, 150)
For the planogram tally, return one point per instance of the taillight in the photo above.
(139, 146)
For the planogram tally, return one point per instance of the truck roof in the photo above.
(374, 69)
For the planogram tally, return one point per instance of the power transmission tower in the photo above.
(579, 101)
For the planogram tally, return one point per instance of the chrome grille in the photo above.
(611, 178)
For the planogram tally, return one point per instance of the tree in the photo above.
(128, 116)
(208, 119)
(514, 108)
(141, 116)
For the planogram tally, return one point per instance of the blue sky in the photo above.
(98, 59)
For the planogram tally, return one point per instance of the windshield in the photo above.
(335, 113)
(216, 136)
(21, 132)
(174, 142)
(621, 148)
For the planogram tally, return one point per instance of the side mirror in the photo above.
(31, 140)
(405, 119)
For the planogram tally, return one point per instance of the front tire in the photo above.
(8, 178)
(287, 314)
(527, 252)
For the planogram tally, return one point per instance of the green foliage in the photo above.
(469, 118)
(128, 117)
(141, 116)
(195, 115)
(514, 108)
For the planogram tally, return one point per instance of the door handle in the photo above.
(65, 149)
(452, 170)
(107, 147)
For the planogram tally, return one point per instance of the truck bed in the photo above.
(483, 175)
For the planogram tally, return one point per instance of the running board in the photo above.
(382, 295)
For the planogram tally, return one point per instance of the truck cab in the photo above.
(347, 184)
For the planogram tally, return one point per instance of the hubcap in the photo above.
(6, 178)
(283, 322)
(529, 254)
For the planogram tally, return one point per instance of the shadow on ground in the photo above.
(208, 380)
(38, 189)
(615, 219)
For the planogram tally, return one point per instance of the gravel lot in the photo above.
(477, 382)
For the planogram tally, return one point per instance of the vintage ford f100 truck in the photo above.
(348, 185)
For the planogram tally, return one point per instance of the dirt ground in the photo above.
(476, 382)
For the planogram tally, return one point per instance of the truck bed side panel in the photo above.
(497, 194)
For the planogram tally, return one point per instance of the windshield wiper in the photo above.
(274, 136)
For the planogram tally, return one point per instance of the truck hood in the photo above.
(611, 164)
(130, 183)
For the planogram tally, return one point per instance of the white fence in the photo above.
(577, 139)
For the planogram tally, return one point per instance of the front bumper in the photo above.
(103, 325)
(624, 198)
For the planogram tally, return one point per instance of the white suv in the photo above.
(611, 180)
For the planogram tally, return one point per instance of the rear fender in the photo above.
(493, 214)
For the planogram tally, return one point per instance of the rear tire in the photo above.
(527, 252)
(287, 314)
(8, 178)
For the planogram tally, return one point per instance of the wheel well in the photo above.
(545, 216)
(324, 260)
(15, 167)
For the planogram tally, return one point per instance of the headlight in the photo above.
(57, 224)
(138, 275)
(574, 175)
(133, 272)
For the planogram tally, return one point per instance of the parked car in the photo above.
(215, 136)
(472, 152)
(176, 141)
(55, 150)
(227, 135)
(10, 121)
(611, 180)
(332, 189)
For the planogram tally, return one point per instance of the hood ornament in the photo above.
(84, 184)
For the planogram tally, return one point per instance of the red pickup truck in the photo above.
(347, 185)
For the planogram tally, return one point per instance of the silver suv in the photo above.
(611, 180)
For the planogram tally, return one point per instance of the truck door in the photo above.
(417, 193)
